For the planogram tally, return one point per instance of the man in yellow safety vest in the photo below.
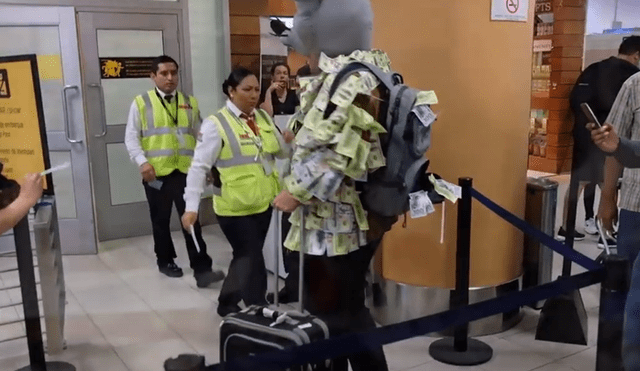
(160, 140)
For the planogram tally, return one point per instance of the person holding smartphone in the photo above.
(279, 99)
(620, 136)
(598, 86)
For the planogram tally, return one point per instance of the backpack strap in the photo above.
(353, 67)
(401, 103)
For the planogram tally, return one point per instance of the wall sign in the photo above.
(23, 139)
(510, 10)
(542, 45)
(125, 68)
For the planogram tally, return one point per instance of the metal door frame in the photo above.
(131, 222)
(73, 136)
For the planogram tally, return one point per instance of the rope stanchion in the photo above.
(458, 317)
(461, 350)
(26, 273)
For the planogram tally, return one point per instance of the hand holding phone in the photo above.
(590, 115)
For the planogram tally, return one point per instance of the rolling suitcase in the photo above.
(259, 329)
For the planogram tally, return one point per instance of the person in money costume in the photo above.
(330, 157)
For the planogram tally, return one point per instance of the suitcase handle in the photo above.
(278, 248)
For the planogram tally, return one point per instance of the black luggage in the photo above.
(260, 329)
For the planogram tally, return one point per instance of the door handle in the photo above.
(104, 110)
(65, 112)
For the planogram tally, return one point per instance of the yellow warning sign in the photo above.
(23, 143)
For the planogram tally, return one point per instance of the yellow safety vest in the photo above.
(247, 188)
(168, 146)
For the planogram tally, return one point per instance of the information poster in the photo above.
(23, 142)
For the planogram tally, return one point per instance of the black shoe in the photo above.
(171, 270)
(562, 235)
(284, 297)
(225, 310)
(204, 279)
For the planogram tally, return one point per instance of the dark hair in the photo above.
(304, 71)
(630, 45)
(155, 64)
(235, 78)
(273, 68)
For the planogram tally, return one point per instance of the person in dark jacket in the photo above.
(598, 85)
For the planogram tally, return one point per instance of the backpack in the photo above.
(386, 191)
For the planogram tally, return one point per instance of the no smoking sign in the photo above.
(513, 6)
(509, 10)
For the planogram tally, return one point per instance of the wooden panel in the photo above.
(556, 153)
(565, 77)
(548, 165)
(566, 64)
(248, 7)
(570, 13)
(250, 61)
(556, 104)
(576, 41)
(561, 91)
(559, 126)
(569, 28)
(567, 52)
(559, 115)
(285, 8)
(245, 44)
(557, 4)
(244, 25)
(560, 140)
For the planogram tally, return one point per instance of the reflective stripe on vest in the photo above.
(168, 152)
(237, 158)
(151, 119)
(164, 131)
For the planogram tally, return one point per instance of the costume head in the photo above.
(333, 27)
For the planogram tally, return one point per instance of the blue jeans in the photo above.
(629, 246)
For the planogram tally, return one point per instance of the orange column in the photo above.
(481, 72)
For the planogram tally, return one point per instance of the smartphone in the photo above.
(589, 113)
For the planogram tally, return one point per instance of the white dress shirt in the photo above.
(132, 134)
(206, 154)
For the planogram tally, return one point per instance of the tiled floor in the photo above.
(123, 315)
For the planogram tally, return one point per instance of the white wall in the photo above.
(210, 64)
(600, 14)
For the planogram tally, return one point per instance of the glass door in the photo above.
(50, 33)
(115, 48)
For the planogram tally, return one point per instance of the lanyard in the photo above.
(175, 119)
(254, 138)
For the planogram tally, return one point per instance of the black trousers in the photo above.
(160, 206)
(335, 292)
(247, 276)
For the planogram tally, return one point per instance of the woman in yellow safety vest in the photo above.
(241, 142)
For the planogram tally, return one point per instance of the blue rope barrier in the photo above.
(353, 343)
(530, 230)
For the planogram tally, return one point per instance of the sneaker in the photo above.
(204, 279)
(611, 242)
(590, 226)
(170, 270)
(562, 235)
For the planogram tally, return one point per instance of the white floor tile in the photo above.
(151, 355)
(133, 327)
(585, 360)
(409, 353)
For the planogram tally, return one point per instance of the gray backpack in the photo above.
(387, 190)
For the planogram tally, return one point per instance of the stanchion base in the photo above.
(477, 352)
(54, 366)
